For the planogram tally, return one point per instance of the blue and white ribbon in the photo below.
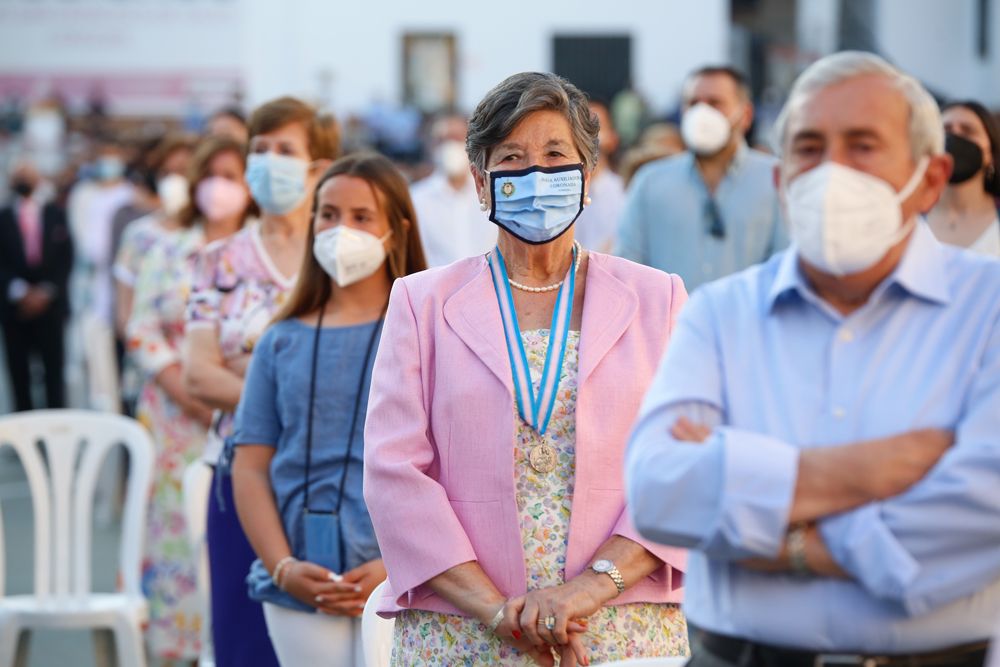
(535, 410)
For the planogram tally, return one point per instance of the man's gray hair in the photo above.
(926, 127)
(521, 94)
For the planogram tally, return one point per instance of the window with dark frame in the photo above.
(983, 28)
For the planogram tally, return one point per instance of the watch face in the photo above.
(603, 566)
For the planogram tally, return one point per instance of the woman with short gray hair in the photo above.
(501, 401)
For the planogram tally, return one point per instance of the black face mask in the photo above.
(968, 157)
(22, 188)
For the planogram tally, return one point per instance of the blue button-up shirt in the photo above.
(775, 369)
(669, 215)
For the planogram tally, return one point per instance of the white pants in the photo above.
(303, 639)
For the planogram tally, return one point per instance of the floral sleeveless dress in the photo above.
(544, 501)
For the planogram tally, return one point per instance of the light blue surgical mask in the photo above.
(109, 168)
(537, 204)
(277, 182)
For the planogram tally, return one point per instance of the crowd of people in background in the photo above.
(259, 289)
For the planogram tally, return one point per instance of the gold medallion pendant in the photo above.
(542, 458)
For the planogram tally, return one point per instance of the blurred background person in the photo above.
(598, 223)
(228, 121)
(133, 236)
(966, 214)
(159, 181)
(144, 197)
(178, 421)
(36, 256)
(657, 141)
(446, 201)
(300, 443)
(44, 134)
(629, 111)
(93, 203)
(712, 210)
(240, 284)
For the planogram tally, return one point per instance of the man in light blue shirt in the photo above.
(824, 431)
(713, 210)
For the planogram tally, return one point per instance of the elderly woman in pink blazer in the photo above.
(501, 401)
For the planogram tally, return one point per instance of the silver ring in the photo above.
(549, 622)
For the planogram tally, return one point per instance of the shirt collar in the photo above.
(788, 279)
(735, 164)
(739, 157)
(921, 272)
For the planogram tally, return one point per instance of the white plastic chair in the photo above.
(62, 484)
(102, 368)
(376, 632)
(196, 486)
(104, 395)
(647, 662)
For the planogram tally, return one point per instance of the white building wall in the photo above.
(291, 46)
(155, 53)
(936, 42)
(347, 51)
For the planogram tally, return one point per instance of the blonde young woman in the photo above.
(297, 471)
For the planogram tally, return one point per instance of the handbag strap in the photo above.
(354, 412)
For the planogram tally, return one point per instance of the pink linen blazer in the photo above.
(439, 465)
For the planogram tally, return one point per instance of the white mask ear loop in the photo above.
(904, 194)
(911, 185)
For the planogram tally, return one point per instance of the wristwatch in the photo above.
(605, 566)
(795, 544)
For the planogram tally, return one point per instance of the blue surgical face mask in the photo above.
(277, 182)
(537, 204)
(109, 168)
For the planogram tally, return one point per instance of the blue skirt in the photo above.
(239, 632)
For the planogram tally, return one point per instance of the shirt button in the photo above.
(839, 412)
(846, 335)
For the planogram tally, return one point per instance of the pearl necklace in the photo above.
(550, 288)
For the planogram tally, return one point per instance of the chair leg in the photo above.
(13, 645)
(105, 654)
(128, 643)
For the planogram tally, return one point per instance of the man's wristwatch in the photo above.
(795, 544)
(605, 566)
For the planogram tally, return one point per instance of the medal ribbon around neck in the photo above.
(535, 410)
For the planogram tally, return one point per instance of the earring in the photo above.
(482, 205)
(587, 201)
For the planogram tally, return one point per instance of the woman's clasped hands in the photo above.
(552, 620)
(330, 593)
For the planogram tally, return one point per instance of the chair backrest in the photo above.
(376, 632)
(646, 662)
(62, 452)
(102, 370)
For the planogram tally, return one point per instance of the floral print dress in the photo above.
(137, 242)
(155, 332)
(237, 292)
(544, 502)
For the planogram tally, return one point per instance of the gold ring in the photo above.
(549, 622)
